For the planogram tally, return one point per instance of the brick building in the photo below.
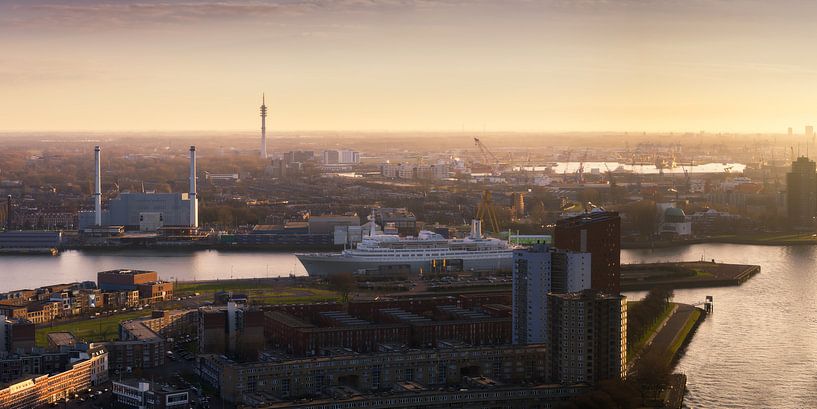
(116, 280)
(234, 330)
(86, 368)
(599, 233)
(293, 378)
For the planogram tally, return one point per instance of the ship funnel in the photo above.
(97, 187)
(194, 202)
(476, 229)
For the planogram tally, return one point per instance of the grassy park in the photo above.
(259, 291)
(103, 328)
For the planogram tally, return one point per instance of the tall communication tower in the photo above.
(263, 127)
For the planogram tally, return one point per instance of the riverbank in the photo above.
(663, 350)
(760, 239)
(684, 274)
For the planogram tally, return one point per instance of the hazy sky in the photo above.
(515, 65)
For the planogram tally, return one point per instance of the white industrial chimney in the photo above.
(476, 229)
(194, 201)
(97, 187)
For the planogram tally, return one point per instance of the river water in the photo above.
(758, 349)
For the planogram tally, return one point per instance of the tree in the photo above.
(344, 283)
(644, 217)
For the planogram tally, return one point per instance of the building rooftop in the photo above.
(404, 316)
(288, 319)
(62, 339)
(586, 218)
(587, 294)
(127, 272)
(343, 319)
(139, 331)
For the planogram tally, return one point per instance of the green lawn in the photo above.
(771, 238)
(211, 287)
(292, 295)
(260, 293)
(682, 336)
(104, 328)
(636, 348)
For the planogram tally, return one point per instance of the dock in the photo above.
(691, 274)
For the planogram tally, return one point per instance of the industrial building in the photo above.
(597, 232)
(143, 211)
(538, 271)
(29, 241)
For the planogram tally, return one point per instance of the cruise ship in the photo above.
(428, 252)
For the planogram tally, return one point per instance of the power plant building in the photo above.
(140, 211)
(143, 211)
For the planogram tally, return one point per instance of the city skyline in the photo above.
(430, 65)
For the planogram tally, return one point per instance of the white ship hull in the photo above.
(325, 264)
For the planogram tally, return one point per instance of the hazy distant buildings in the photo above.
(410, 171)
(588, 337)
(599, 233)
(538, 271)
(341, 157)
(809, 132)
(801, 187)
(298, 156)
(400, 219)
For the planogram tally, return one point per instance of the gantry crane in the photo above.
(486, 209)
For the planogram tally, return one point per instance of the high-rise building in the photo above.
(809, 132)
(597, 232)
(588, 337)
(801, 192)
(538, 271)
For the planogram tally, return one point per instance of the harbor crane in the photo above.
(488, 157)
(486, 209)
(564, 172)
(580, 171)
